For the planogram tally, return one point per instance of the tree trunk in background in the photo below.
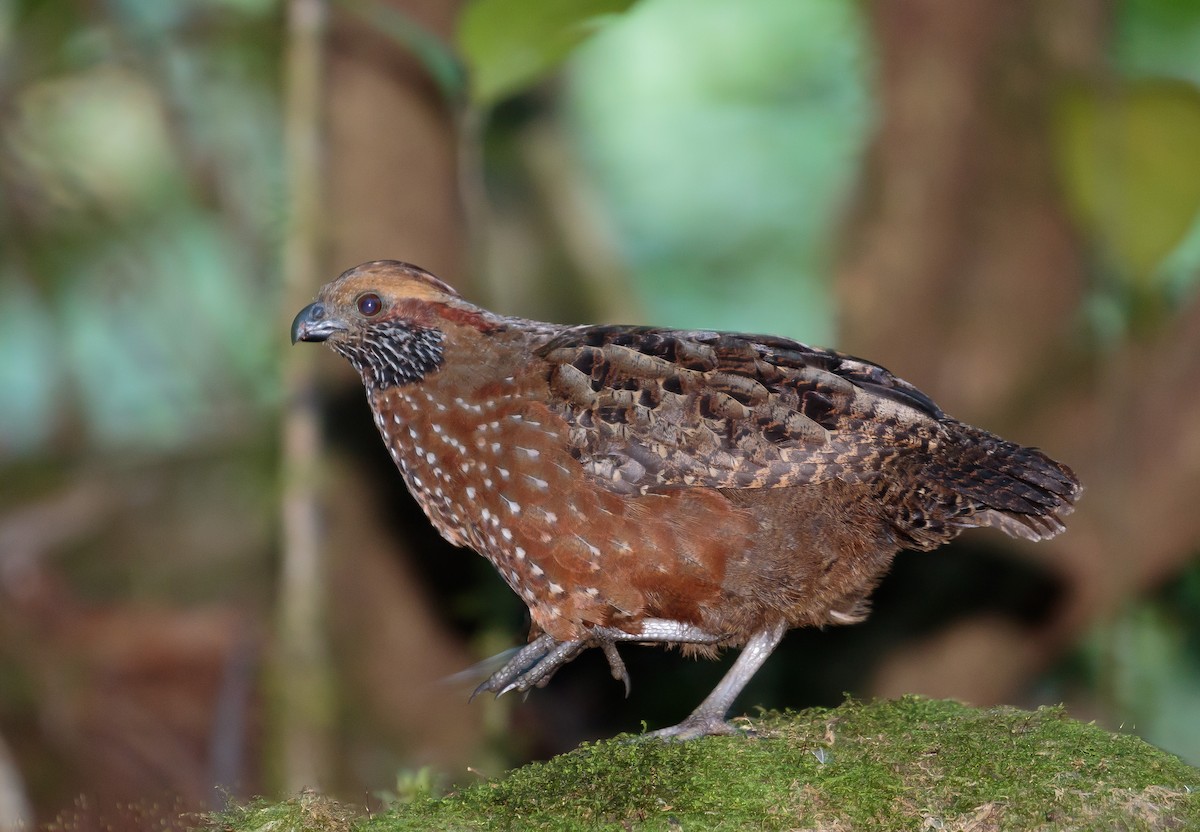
(963, 273)
(962, 268)
(393, 168)
(392, 195)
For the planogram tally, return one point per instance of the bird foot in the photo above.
(534, 664)
(695, 726)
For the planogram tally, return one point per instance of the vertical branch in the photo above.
(302, 697)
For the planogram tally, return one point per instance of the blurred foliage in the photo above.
(1132, 174)
(140, 199)
(723, 139)
(1146, 661)
(1141, 132)
(509, 44)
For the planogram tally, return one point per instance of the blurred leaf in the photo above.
(1131, 169)
(509, 44)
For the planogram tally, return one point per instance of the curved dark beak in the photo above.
(311, 324)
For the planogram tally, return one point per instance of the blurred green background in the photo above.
(211, 582)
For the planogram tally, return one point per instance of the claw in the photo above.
(521, 662)
(534, 664)
(616, 664)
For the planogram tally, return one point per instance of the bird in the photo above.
(688, 488)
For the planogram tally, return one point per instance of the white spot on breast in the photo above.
(506, 534)
(534, 453)
(556, 589)
(396, 418)
(495, 447)
(537, 481)
(520, 553)
(513, 505)
(536, 570)
(551, 517)
(503, 472)
(436, 428)
(464, 467)
(429, 457)
(471, 493)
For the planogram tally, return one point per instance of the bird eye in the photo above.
(369, 304)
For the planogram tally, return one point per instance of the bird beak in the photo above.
(310, 324)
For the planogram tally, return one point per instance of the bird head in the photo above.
(387, 318)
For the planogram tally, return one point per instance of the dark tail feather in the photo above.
(998, 483)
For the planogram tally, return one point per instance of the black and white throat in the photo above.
(394, 354)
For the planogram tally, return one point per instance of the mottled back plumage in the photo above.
(685, 487)
(653, 409)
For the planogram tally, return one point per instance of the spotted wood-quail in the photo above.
(693, 488)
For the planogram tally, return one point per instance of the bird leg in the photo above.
(709, 718)
(534, 664)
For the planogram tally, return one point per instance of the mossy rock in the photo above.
(915, 763)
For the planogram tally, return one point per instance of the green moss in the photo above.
(908, 764)
(309, 811)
